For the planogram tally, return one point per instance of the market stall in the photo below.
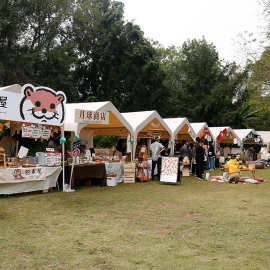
(181, 130)
(265, 140)
(145, 126)
(202, 131)
(249, 144)
(33, 113)
(247, 136)
(86, 120)
(224, 139)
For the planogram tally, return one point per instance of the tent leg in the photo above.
(63, 156)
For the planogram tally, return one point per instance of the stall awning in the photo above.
(180, 128)
(265, 136)
(201, 129)
(15, 88)
(224, 135)
(244, 133)
(147, 124)
(117, 126)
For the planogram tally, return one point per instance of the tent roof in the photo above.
(242, 133)
(105, 106)
(216, 130)
(176, 124)
(265, 135)
(138, 120)
(199, 127)
(16, 88)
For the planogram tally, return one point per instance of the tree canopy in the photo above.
(87, 49)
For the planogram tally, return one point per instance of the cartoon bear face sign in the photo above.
(42, 105)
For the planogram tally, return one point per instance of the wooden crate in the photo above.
(185, 171)
(129, 172)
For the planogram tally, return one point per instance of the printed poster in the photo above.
(169, 169)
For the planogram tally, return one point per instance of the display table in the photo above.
(84, 172)
(20, 180)
(115, 168)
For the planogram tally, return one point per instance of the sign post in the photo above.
(75, 152)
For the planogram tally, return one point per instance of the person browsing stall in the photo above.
(156, 148)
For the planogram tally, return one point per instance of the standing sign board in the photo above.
(91, 117)
(169, 169)
(76, 148)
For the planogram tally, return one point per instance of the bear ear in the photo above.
(28, 91)
(60, 98)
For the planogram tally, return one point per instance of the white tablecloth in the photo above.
(115, 168)
(50, 180)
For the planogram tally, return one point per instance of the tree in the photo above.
(202, 87)
(259, 90)
(33, 45)
(116, 62)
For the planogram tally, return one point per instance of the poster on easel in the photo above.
(169, 169)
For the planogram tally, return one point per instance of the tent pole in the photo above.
(63, 155)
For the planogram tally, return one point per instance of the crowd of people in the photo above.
(201, 155)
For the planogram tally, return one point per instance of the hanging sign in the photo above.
(91, 117)
(36, 131)
(40, 105)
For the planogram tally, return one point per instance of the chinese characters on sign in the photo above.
(9, 175)
(3, 104)
(91, 117)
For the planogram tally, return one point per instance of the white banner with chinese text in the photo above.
(91, 117)
(20, 175)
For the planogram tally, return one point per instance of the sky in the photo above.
(171, 22)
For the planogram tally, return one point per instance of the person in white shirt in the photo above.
(156, 148)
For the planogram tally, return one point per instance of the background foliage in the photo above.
(86, 49)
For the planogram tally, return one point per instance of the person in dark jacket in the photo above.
(211, 156)
(199, 158)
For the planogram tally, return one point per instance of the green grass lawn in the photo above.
(196, 225)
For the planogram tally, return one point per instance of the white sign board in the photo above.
(91, 117)
(23, 152)
(169, 169)
(40, 105)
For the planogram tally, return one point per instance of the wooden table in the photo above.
(86, 172)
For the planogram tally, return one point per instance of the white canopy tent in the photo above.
(243, 133)
(221, 137)
(180, 129)
(201, 130)
(117, 126)
(12, 107)
(265, 136)
(15, 88)
(147, 124)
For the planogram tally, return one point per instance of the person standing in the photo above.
(199, 158)
(156, 148)
(211, 156)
